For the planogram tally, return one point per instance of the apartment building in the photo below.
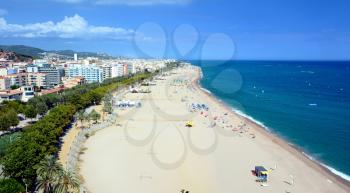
(53, 77)
(107, 71)
(117, 70)
(37, 79)
(19, 79)
(23, 79)
(91, 73)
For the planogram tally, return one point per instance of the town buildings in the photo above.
(23, 80)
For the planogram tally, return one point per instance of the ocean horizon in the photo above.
(307, 103)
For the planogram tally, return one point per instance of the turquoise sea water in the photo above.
(306, 103)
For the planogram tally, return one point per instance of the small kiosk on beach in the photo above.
(261, 173)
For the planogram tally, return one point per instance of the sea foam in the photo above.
(333, 170)
(205, 90)
(251, 118)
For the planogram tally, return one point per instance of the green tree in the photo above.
(39, 104)
(30, 111)
(13, 87)
(15, 105)
(7, 140)
(8, 119)
(81, 116)
(10, 186)
(94, 115)
(47, 171)
(41, 108)
(107, 103)
(67, 182)
(12, 117)
(4, 124)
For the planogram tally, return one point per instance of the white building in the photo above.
(39, 62)
(75, 57)
(28, 93)
(117, 70)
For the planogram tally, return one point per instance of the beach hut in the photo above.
(261, 173)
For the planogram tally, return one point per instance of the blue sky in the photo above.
(195, 29)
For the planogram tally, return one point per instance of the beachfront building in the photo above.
(118, 70)
(91, 73)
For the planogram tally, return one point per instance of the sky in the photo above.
(183, 29)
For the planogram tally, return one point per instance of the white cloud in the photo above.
(70, 27)
(130, 2)
(3, 12)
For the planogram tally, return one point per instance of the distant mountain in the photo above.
(37, 52)
(71, 53)
(22, 50)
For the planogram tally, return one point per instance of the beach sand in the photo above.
(151, 150)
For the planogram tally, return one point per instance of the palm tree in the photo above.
(95, 116)
(88, 118)
(81, 116)
(67, 182)
(47, 172)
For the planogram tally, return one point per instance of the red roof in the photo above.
(54, 90)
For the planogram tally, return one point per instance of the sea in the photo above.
(307, 103)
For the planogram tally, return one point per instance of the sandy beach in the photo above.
(150, 149)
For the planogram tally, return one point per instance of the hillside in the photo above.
(36, 52)
(22, 50)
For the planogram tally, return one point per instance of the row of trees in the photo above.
(39, 140)
(42, 139)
